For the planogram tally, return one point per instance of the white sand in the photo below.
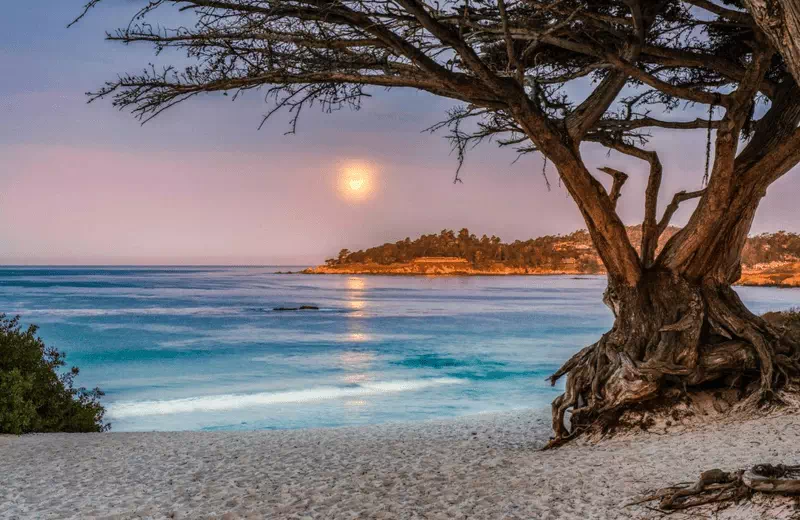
(431, 470)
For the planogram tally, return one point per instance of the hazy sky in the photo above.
(200, 184)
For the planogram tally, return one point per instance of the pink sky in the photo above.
(70, 204)
(87, 184)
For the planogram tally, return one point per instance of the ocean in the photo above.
(202, 348)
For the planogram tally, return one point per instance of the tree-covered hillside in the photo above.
(771, 247)
(551, 251)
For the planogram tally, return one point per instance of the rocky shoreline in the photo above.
(788, 277)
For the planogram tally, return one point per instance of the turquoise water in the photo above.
(201, 348)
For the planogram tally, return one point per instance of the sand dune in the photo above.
(479, 467)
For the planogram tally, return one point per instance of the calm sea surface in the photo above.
(201, 348)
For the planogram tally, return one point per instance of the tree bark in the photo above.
(711, 242)
(679, 324)
(780, 21)
(670, 334)
(597, 207)
(607, 230)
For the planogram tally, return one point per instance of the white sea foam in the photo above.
(218, 403)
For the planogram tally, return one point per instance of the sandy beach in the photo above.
(484, 466)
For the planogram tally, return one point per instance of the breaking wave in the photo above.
(218, 403)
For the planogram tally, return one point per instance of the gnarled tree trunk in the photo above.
(670, 333)
(679, 324)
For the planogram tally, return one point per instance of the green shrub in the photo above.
(34, 396)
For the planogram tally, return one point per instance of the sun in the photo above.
(356, 184)
(356, 180)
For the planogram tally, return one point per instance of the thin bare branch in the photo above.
(672, 207)
(619, 180)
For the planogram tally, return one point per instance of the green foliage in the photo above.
(544, 252)
(547, 252)
(34, 396)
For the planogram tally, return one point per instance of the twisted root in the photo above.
(717, 486)
(709, 335)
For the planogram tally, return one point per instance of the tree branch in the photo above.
(780, 21)
(649, 122)
(649, 226)
(451, 37)
(719, 10)
(672, 207)
(596, 104)
(619, 180)
(690, 94)
(512, 56)
(692, 58)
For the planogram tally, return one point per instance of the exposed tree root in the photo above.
(717, 487)
(672, 339)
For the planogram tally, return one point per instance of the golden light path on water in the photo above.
(357, 363)
(356, 180)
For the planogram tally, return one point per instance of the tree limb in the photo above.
(717, 9)
(649, 122)
(780, 21)
(649, 226)
(619, 180)
(672, 207)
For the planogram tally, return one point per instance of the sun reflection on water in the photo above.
(354, 302)
(356, 305)
(357, 363)
(356, 284)
(354, 379)
(352, 359)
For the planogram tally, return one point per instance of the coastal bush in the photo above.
(34, 395)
